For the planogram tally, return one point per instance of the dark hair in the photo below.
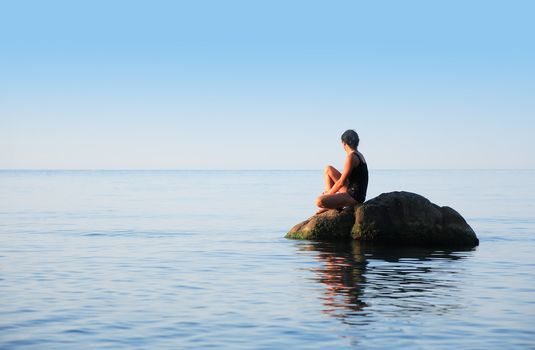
(351, 138)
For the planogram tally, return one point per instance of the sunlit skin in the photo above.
(335, 195)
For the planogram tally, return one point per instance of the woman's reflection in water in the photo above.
(343, 276)
(361, 279)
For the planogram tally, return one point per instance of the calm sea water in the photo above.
(197, 259)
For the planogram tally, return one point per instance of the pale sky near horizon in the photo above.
(266, 84)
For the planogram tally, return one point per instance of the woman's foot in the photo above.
(322, 210)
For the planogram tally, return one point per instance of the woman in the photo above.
(349, 187)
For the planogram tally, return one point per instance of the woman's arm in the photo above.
(345, 173)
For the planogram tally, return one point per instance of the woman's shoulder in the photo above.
(362, 157)
(357, 157)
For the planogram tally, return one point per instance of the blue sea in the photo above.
(198, 260)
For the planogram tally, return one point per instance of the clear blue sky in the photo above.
(266, 84)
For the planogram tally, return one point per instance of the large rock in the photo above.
(408, 218)
(395, 218)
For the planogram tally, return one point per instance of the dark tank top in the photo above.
(357, 181)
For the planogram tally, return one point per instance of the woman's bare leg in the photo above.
(331, 176)
(334, 201)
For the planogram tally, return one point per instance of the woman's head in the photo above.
(351, 138)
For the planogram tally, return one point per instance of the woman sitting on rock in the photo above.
(349, 187)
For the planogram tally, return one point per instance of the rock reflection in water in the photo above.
(361, 280)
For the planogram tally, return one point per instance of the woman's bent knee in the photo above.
(319, 202)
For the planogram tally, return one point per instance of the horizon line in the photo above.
(258, 169)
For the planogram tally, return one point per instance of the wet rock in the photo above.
(329, 225)
(395, 218)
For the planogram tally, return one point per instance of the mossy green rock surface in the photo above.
(330, 225)
(410, 219)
